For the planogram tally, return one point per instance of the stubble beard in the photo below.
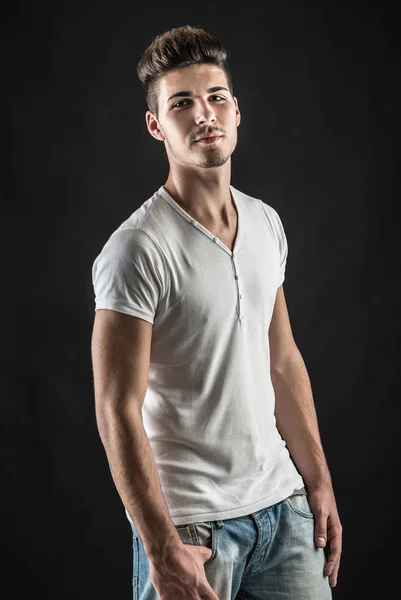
(208, 160)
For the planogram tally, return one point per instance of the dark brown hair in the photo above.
(174, 49)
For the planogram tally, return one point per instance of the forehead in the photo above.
(195, 78)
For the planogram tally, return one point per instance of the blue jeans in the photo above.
(266, 555)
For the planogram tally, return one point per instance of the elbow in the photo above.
(104, 421)
(280, 366)
(114, 417)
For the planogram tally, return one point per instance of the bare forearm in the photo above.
(296, 420)
(135, 475)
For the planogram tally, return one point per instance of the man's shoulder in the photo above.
(141, 217)
(137, 232)
(252, 200)
(257, 203)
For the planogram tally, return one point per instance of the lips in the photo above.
(210, 138)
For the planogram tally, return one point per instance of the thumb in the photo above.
(208, 551)
(320, 536)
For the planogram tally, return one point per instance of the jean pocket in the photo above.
(200, 534)
(300, 505)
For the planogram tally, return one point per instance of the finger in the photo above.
(334, 552)
(207, 554)
(333, 578)
(209, 594)
(321, 533)
(334, 575)
(332, 566)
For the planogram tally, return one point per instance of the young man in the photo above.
(203, 401)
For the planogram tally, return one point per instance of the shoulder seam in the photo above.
(160, 250)
(269, 223)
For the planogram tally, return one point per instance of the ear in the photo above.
(237, 111)
(153, 126)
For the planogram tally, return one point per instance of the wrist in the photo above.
(159, 550)
(317, 483)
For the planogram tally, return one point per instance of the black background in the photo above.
(318, 87)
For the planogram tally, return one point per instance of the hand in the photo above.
(327, 526)
(180, 574)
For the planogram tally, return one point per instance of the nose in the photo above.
(204, 114)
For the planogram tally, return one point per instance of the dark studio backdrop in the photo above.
(319, 91)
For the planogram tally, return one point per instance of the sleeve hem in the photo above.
(125, 308)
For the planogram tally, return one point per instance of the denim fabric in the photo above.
(266, 555)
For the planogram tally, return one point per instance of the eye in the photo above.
(177, 103)
(181, 101)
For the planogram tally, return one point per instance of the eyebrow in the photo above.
(209, 91)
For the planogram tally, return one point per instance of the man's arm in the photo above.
(120, 357)
(295, 410)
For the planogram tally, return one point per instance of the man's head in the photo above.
(189, 93)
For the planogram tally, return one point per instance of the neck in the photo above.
(206, 199)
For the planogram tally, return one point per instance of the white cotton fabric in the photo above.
(209, 405)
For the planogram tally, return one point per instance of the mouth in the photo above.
(209, 139)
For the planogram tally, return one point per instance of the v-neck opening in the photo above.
(201, 227)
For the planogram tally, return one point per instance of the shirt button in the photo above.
(240, 296)
(236, 276)
(215, 239)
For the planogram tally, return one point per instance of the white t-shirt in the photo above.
(209, 405)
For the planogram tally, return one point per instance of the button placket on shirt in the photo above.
(239, 296)
(236, 276)
(235, 267)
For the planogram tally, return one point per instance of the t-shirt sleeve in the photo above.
(128, 275)
(280, 238)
